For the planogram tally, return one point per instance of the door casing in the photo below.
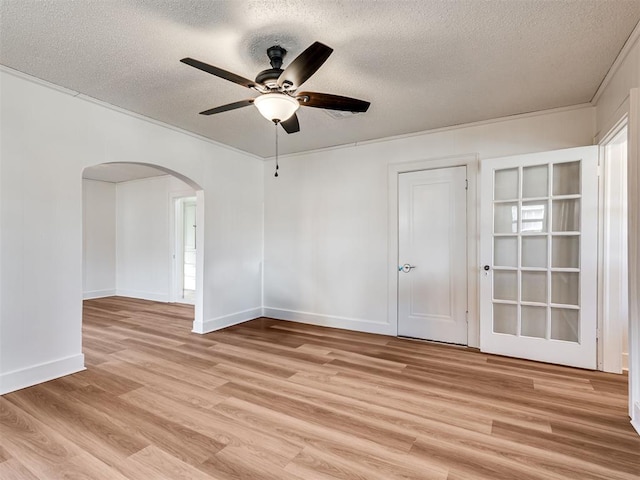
(471, 162)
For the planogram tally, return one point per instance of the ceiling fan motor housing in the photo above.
(269, 77)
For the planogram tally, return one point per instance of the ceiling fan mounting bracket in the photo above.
(276, 56)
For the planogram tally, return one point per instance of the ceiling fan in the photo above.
(279, 99)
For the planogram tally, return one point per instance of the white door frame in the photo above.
(610, 333)
(471, 162)
(631, 109)
(633, 184)
(174, 241)
(175, 216)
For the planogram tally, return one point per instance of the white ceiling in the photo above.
(422, 64)
(120, 172)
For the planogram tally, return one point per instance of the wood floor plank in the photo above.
(578, 448)
(29, 441)
(340, 463)
(4, 454)
(12, 469)
(181, 441)
(316, 413)
(154, 463)
(210, 422)
(275, 400)
(452, 410)
(97, 435)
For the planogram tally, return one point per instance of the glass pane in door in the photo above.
(505, 218)
(534, 217)
(565, 288)
(534, 251)
(534, 321)
(506, 184)
(566, 215)
(505, 285)
(566, 251)
(535, 181)
(505, 252)
(505, 319)
(566, 178)
(565, 324)
(536, 227)
(534, 287)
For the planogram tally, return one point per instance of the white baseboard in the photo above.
(330, 321)
(635, 420)
(98, 294)
(625, 361)
(27, 377)
(214, 324)
(153, 296)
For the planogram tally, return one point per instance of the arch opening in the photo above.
(134, 236)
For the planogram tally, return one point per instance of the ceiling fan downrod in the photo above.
(275, 123)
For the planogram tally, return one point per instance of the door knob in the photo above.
(406, 268)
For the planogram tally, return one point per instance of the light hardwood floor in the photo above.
(271, 400)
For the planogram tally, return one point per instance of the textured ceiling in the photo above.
(422, 64)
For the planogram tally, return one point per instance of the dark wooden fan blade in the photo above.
(304, 65)
(218, 72)
(291, 125)
(229, 106)
(332, 102)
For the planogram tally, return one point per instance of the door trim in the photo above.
(470, 161)
(610, 332)
(633, 184)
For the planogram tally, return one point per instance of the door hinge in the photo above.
(466, 184)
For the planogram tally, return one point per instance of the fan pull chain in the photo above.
(277, 167)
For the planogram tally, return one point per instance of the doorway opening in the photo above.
(613, 263)
(185, 250)
(129, 247)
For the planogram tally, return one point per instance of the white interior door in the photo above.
(539, 253)
(432, 272)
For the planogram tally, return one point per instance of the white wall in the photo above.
(140, 212)
(143, 241)
(48, 137)
(326, 215)
(99, 238)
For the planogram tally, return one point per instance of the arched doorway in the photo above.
(134, 236)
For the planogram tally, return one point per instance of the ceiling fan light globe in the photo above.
(276, 107)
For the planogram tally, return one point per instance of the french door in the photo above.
(539, 254)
